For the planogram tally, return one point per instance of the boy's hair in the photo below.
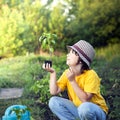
(84, 66)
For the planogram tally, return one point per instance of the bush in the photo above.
(111, 76)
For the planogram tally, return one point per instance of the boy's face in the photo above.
(72, 58)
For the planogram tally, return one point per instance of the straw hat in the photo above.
(85, 50)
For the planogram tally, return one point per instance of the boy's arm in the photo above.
(83, 96)
(54, 89)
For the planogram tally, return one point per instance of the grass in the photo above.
(109, 52)
(25, 71)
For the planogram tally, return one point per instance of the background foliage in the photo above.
(24, 21)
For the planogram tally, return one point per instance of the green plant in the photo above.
(41, 88)
(20, 112)
(48, 41)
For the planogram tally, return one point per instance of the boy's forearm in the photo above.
(53, 84)
(83, 96)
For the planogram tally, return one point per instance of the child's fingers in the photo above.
(46, 66)
(70, 69)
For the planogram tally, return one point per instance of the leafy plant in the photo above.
(20, 112)
(41, 88)
(48, 41)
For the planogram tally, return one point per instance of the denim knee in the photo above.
(53, 102)
(84, 109)
(91, 111)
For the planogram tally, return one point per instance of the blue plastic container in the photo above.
(11, 115)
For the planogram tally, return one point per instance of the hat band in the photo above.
(79, 50)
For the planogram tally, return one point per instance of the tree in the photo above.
(22, 22)
(11, 27)
(95, 21)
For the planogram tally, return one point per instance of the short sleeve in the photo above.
(92, 83)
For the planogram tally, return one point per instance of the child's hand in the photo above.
(48, 68)
(71, 75)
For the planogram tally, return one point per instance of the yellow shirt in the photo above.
(88, 82)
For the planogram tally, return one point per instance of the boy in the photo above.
(82, 84)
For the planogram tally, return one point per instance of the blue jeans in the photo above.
(64, 109)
